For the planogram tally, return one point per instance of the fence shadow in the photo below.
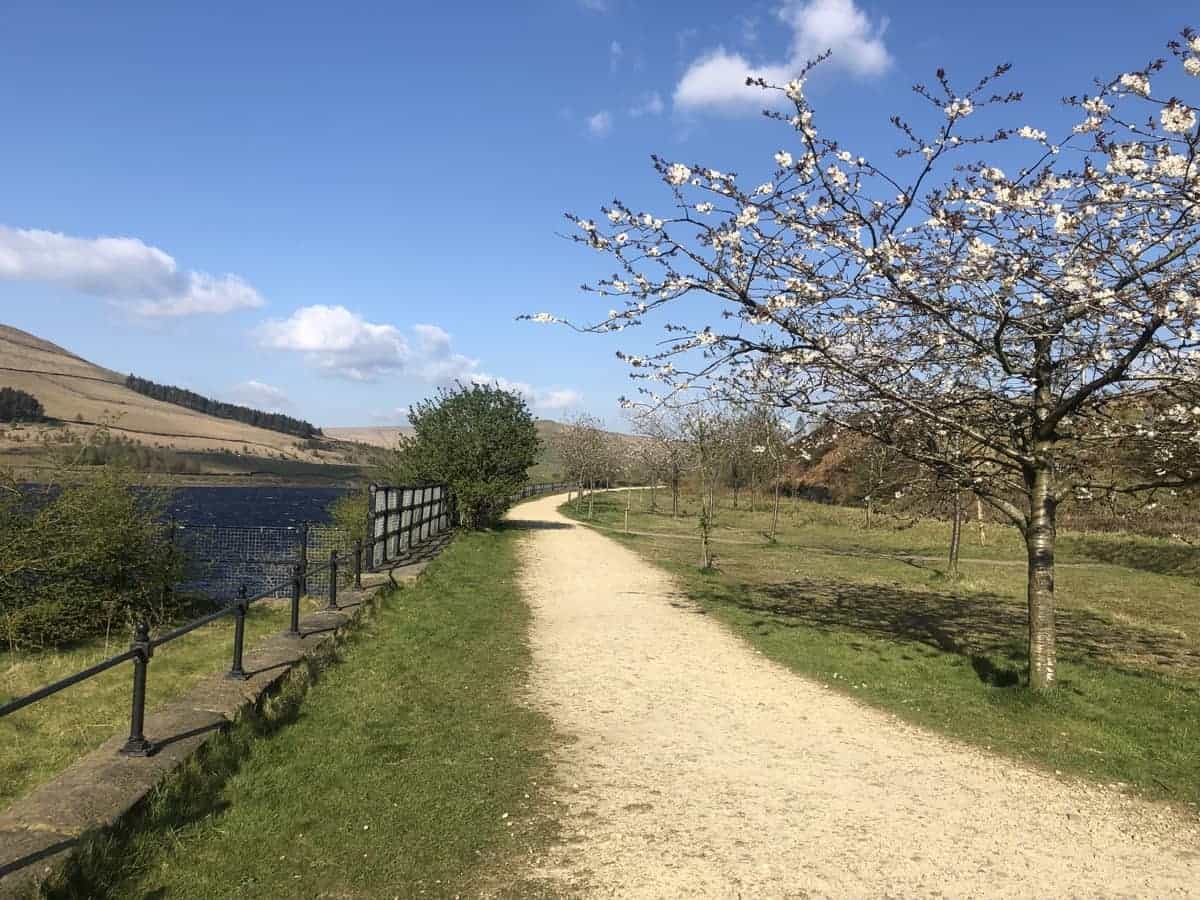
(534, 525)
(982, 627)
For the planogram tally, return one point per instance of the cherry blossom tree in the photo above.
(1046, 312)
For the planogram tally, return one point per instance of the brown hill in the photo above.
(82, 396)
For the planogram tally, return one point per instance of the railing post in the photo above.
(304, 558)
(333, 575)
(370, 541)
(358, 550)
(137, 745)
(236, 671)
(294, 627)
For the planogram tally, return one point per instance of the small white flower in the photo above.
(784, 159)
(764, 189)
(1177, 118)
(587, 225)
(615, 216)
(1033, 134)
(1195, 44)
(1136, 82)
(544, 318)
(1191, 65)
(678, 173)
(795, 89)
(845, 156)
(622, 238)
(747, 217)
(959, 108)
(704, 208)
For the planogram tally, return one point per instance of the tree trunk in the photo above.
(675, 497)
(955, 534)
(775, 512)
(653, 486)
(1039, 543)
(591, 504)
(869, 511)
(979, 520)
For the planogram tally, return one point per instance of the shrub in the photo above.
(479, 439)
(81, 560)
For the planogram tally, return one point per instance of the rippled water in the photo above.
(252, 507)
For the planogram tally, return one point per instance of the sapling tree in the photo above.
(1042, 304)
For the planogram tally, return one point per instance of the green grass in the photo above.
(832, 601)
(411, 767)
(41, 740)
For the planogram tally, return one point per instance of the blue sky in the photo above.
(330, 209)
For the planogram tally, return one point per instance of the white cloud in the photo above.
(600, 124)
(260, 395)
(600, 6)
(717, 80)
(125, 271)
(342, 343)
(650, 104)
(615, 52)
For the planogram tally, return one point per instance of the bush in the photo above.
(80, 560)
(349, 514)
(19, 406)
(479, 439)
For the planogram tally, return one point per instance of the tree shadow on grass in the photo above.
(982, 627)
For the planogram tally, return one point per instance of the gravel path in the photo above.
(697, 768)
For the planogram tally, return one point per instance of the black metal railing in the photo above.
(417, 514)
(542, 487)
(142, 649)
(399, 518)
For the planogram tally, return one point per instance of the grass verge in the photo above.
(947, 655)
(41, 740)
(410, 769)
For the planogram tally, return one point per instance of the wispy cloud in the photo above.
(716, 81)
(343, 344)
(259, 395)
(599, 124)
(650, 104)
(125, 271)
(615, 52)
(598, 6)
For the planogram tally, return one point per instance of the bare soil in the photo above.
(695, 767)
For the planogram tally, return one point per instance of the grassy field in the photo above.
(41, 740)
(873, 613)
(410, 769)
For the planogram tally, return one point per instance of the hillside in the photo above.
(80, 396)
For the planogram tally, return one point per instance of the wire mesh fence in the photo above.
(222, 559)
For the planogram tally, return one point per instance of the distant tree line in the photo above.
(19, 406)
(190, 399)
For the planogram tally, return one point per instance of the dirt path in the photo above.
(699, 769)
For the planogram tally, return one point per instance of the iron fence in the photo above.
(293, 561)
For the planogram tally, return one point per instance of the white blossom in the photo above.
(1033, 134)
(747, 217)
(678, 173)
(959, 108)
(704, 208)
(1177, 118)
(784, 159)
(1191, 65)
(1136, 82)
(795, 89)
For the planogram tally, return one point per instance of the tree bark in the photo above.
(1039, 543)
(955, 534)
(979, 520)
(775, 512)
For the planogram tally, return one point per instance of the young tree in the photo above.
(583, 447)
(479, 439)
(664, 433)
(1047, 314)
